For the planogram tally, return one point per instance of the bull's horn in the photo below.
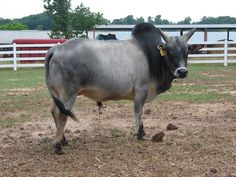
(164, 36)
(188, 35)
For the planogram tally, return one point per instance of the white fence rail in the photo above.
(23, 55)
(32, 55)
(215, 52)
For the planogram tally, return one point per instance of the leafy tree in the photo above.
(158, 20)
(13, 26)
(59, 11)
(84, 20)
(217, 20)
(140, 20)
(187, 20)
(40, 21)
(150, 20)
(5, 21)
(129, 20)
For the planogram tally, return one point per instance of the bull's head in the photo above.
(176, 50)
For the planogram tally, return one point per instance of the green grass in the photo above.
(192, 97)
(10, 122)
(202, 78)
(21, 79)
(25, 89)
(188, 88)
(21, 91)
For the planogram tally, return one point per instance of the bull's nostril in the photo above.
(182, 73)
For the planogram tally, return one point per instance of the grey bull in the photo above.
(137, 69)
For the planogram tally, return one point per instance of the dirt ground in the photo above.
(204, 144)
(104, 145)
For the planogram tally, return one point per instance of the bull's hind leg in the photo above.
(60, 122)
(55, 117)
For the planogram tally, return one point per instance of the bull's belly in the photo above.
(103, 95)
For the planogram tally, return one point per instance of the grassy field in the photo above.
(205, 83)
(203, 106)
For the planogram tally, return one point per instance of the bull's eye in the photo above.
(170, 53)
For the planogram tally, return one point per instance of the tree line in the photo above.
(65, 22)
(130, 19)
(43, 21)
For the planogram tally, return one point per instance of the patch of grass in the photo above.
(7, 123)
(193, 68)
(115, 133)
(11, 122)
(188, 88)
(192, 97)
(21, 79)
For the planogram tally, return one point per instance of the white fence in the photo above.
(23, 55)
(28, 55)
(215, 52)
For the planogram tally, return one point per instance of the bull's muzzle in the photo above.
(181, 72)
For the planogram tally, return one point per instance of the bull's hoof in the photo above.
(64, 142)
(140, 133)
(58, 148)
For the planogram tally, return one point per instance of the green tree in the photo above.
(13, 26)
(187, 20)
(59, 11)
(128, 20)
(84, 20)
(40, 21)
(150, 20)
(140, 20)
(5, 21)
(159, 20)
(217, 20)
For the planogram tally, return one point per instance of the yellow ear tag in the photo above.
(162, 51)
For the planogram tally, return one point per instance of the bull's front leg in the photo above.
(139, 99)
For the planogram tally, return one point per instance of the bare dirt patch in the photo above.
(105, 145)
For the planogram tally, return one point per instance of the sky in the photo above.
(172, 10)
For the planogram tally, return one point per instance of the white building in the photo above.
(7, 36)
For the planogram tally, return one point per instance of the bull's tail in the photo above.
(62, 108)
(57, 101)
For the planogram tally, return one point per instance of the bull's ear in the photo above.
(162, 50)
(194, 48)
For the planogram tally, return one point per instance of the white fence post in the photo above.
(226, 52)
(14, 57)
